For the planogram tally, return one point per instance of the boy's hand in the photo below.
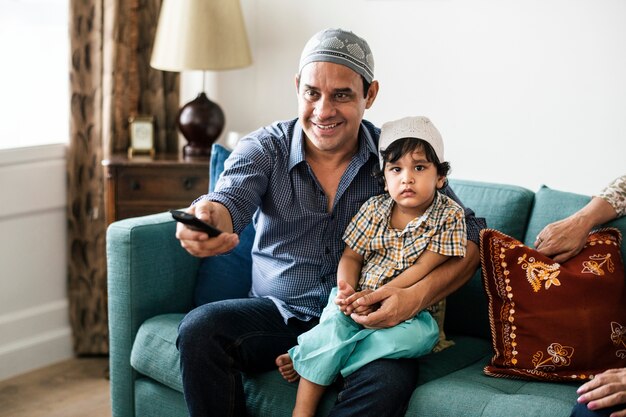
(350, 306)
(344, 290)
(393, 306)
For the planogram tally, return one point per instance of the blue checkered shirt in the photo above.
(298, 243)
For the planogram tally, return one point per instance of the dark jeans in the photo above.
(581, 410)
(218, 341)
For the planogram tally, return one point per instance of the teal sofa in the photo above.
(151, 284)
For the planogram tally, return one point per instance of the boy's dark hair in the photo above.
(401, 147)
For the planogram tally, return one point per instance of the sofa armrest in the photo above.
(148, 274)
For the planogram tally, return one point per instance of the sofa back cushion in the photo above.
(226, 276)
(506, 208)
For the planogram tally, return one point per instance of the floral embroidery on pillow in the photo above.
(618, 333)
(558, 355)
(592, 266)
(539, 271)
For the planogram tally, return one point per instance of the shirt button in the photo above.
(327, 250)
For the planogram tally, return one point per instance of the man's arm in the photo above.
(425, 264)
(399, 304)
(237, 195)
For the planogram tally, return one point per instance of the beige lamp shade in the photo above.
(200, 35)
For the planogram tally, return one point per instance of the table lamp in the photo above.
(200, 35)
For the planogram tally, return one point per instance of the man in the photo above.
(302, 180)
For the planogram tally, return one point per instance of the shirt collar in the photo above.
(296, 154)
(367, 145)
(428, 218)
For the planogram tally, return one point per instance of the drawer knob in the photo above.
(188, 183)
(134, 185)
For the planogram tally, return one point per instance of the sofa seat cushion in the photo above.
(465, 351)
(154, 399)
(268, 394)
(154, 352)
(470, 393)
(155, 355)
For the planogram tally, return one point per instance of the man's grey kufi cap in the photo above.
(340, 47)
(418, 127)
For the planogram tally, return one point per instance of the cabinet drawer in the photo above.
(144, 185)
(165, 184)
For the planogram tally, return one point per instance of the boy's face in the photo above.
(331, 105)
(412, 182)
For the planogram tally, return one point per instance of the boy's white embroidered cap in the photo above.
(419, 127)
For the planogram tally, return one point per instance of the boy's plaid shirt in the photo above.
(388, 251)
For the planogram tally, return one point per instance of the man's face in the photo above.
(331, 105)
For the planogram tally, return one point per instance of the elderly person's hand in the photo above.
(565, 238)
(605, 390)
(199, 243)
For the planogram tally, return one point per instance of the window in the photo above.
(34, 75)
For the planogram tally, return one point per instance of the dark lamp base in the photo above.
(196, 151)
(201, 122)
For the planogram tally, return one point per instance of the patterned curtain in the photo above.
(110, 80)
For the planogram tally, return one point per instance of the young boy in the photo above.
(396, 239)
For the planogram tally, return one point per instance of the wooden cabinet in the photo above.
(144, 185)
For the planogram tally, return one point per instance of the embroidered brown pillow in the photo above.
(550, 321)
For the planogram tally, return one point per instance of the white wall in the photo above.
(524, 92)
(34, 325)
